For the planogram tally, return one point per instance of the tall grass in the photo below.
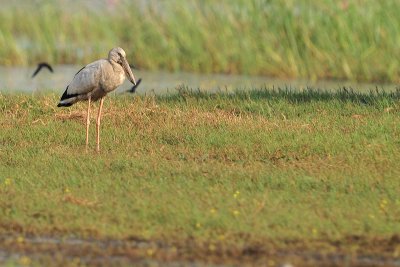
(355, 40)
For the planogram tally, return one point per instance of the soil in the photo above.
(68, 251)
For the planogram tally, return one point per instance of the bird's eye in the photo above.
(119, 54)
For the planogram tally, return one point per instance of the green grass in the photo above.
(287, 39)
(262, 164)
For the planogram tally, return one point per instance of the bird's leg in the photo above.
(87, 124)
(98, 124)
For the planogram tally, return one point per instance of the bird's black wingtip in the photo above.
(65, 96)
(64, 104)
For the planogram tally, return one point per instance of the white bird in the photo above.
(94, 81)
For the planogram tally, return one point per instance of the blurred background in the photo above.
(348, 40)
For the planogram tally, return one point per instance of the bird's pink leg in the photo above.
(87, 124)
(98, 124)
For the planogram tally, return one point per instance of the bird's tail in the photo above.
(63, 104)
(66, 99)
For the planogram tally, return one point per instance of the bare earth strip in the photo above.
(67, 251)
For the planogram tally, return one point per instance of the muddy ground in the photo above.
(29, 249)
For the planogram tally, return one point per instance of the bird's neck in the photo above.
(116, 67)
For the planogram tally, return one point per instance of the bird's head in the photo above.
(118, 55)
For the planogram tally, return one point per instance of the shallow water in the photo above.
(14, 79)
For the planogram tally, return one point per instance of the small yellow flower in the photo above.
(314, 231)
(211, 247)
(221, 237)
(174, 249)
(7, 181)
(150, 252)
(20, 239)
(24, 260)
(213, 211)
(236, 212)
(198, 225)
(236, 194)
(66, 190)
(383, 204)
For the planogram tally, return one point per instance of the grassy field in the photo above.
(355, 40)
(226, 167)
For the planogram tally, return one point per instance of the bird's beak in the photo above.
(128, 71)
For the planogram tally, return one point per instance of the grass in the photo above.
(222, 167)
(356, 40)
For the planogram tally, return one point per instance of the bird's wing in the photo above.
(87, 79)
(40, 66)
(46, 65)
(133, 89)
(36, 71)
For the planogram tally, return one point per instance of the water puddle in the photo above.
(19, 79)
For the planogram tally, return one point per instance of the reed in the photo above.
(356, 40)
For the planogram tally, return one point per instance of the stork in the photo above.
(94, 82)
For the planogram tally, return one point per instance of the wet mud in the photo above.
(68, 251)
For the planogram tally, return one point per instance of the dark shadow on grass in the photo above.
(373, 97)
